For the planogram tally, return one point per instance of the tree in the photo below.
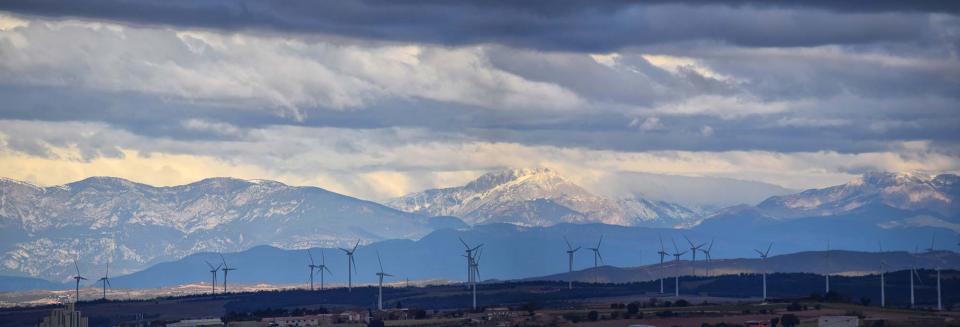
(375, 323)
(633, 308)
(789, 320)
(774, 321)
(530, 307)
(593, 316)
(865, 301)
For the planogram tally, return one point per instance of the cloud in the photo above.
(377, 164)
(593, 26)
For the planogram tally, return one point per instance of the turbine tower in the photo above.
(706, 254)
(826, 275)
(226, 269)
(597, 256)
(676, 260)
(913, 272)
(322, 267)
(662, 254)
(351, 265)
(570, 252)
(312, 267)
(469, 257)
(763, 257)
(380, 274)
(213, 275)
(78, 278)
(475, 268)
(883, 285)
(693, 250)
(105, 280)
(939, 302)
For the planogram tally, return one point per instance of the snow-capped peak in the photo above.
(535, 197)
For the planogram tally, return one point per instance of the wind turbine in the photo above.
(570, 252)
(596, 256)
(105, 280)
(351, 265)
(883, 285)
(706, 253)
(213, 275)
(763, 257)
(676, 260)
(662, 254)
(226, 269)
(693, 251)
(312, 267)
(469, 257)
(475, 266)
(380, 274)
(913, 272)
(322, 267)
(939, 302)
(933, 239)
(78, 278)
(826, 275)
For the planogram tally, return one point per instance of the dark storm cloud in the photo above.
(550, 25)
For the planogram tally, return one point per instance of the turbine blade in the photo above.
(355, 246)
(768, 249)
(311, 256)
(688, 240)
(569, 247)
(675, 249)
(75, 265)
(464, 243)
(208, 264)
(661, 241)
(328, 269)
(600, 241)
(379, 262)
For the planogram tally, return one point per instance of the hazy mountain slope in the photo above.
(695, 192)
(921, 193)
(538, 197)
(514, 252)
(134, 225)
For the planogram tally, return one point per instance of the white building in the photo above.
(66, 317)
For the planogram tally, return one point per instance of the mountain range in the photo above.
(513, 252)
(539, 197)
(133, 225)
(138, 227)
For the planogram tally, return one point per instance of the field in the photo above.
(727, 299)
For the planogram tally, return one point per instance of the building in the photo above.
(301, 321)
(197, 323)
(498, 313)
(838, 321)
(65, 317)
(355, 317)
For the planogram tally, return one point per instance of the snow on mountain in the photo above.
(537, 197)
(922, 193)
(100, 219)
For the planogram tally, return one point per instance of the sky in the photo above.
(376, 98)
